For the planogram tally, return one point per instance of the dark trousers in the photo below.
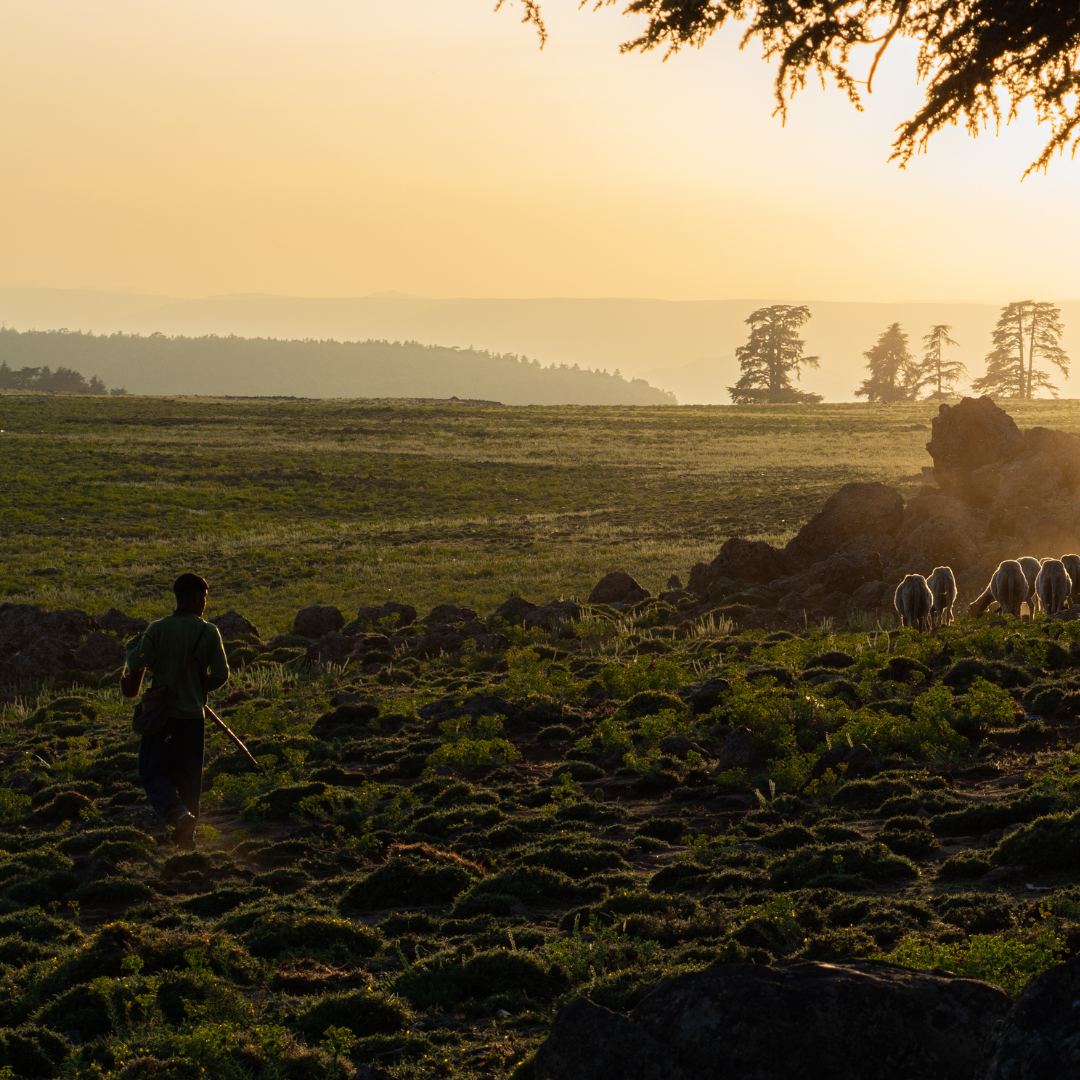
(170, 767)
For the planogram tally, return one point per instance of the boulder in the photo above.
(405, 614)
(317, 621)
(856, 510)
(37, 645)
(1041, 1037)
(943, 530)
(444, 614)
(514, 609)
(674, 582)
(116, 622)
(752, 561)
(344, 718)
(332, 648)
(99, 652)
(679, 746)
(437, 640)
(711, 583)
(232, 623)
(968, 436)
(618, 588)
(846, 572)
(491, 643)
(858, 762)
(1062, 448)
(550, 615)
(865, 1020)
(870, 596)
(737, 751)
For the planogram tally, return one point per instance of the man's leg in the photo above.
(188, 763)
(155, 775)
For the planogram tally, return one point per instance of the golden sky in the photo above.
(344, 147)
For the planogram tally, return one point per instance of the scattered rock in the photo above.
(550, 615)
(674, 582)
(37, 646)
(445, 614)
(737, 751)
(514, 609)
(116, 622)
(798, 1021)
(678, 746)
(405, 615)
(859, 761)
(437, 640)
(1041, 1036)
(618, 588)
(317, 621)
(336, 723)
(332, 648)
(232, 623)
(99, 652)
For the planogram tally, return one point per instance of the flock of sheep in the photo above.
(1046, 584)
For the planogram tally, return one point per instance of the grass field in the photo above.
(281, 503)
(413, 888)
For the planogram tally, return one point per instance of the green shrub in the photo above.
(221, 900)
(667, 829)
(576, 859)
(649, 703)
(363, 1012)
(993, 815)
(82, 1008)
(1048, 843)
(404, 880)
(281, 932)
(787, 838)
(113, 890)
(444, 983)
(870, 794)
(32, 1051)
(964, 866)
(528, 885)
(580, 771)
(816, 866)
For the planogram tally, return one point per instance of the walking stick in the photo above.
(232, 735)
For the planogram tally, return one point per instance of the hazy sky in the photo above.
(344, 147)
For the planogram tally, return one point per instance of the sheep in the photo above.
(1008, 587)
(1054, 586)
(914, 602)
(1031, 567)
(1072, 568)
(942, 583)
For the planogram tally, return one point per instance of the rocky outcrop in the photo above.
(797, 1021)
(513, 609)
(317, 621)
(116, 622)
(232, 623)
(618, 588)
(855, 511)
(968, 437)
(37, 646)
(99, 653)
(550, 615)
(371, 617)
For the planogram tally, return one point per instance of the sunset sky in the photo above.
(345, 147)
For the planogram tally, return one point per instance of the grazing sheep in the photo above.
(1008, 586)
(942, 584)
(1072, 568)
(1031, 567)
(1054, 586)
(914, 602)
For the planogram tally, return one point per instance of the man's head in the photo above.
(191, 593)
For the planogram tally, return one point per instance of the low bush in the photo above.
(277, 933)
(444, 983)
(363, 1012)
(817, 866)
(1048, 843)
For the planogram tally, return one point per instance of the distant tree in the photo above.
(1037, 326)
(62, 380)
(935, 369)
(894, 376)
(771, 355)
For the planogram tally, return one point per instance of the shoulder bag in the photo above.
(156, 705)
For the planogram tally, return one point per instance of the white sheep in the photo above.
(1054, 586)
(942, 584)
(1072, 568)
(1008, 586)
(914, 601)
(1031, 567)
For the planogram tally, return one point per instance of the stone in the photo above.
(492, 643)
(674, 582)
(869, 596)
(1062, 448)
(846, 572)
(37, 646)
(854, 511)
(737, 751)
(678, 746)
(1040, 1039)
(332, 648)
(343, 718)
(858, 762)
(514, 609)
(618, 588)
(116, 622)
(403, 614)
(550, 615)
(711, 583)
(943, 530)
(99, 652)
(232, 623)
(751, 561)
(968, 436)
(864, 1020)
(443, 614)
(437, 640)
(317, 621)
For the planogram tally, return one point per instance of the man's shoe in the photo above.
(183, 835)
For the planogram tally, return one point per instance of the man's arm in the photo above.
(218, 664)
(141, 652)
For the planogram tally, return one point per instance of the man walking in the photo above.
(184, 651)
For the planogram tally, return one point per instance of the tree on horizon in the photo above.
(772, 354)
(935, 369)
(894, 375)
(1010, 373)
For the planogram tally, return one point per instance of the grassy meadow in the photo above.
(280, 503)
(440, 849)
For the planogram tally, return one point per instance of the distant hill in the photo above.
(264, 366)
(660, 341)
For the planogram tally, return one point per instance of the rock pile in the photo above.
(38, 646)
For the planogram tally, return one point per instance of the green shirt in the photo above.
(164, 649)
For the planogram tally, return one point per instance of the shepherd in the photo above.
(187, 660)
